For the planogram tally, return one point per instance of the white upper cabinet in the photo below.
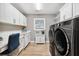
(75, 9)
(25, 21)
(16, 16)
(66, 12)
(5, 13)
(9, 14)
(21, 19)
(69, 11)
(62, 14)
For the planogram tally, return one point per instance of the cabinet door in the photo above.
(2, 12)
(25, 21)
(68, 11)
(37, 39)
(21, 19)
(62, 14)
(26, 40)
(40, 39)
(6, 13)
(15, 16)
(20, 47)
(43, 38)
(76, 9)
(21, 44)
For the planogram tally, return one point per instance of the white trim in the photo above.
(32, 41)
(47, 41)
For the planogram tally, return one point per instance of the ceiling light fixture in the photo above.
(38, 6)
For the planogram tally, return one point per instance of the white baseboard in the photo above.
(34, 42)
(47, 41)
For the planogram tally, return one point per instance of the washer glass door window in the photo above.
(62, 42)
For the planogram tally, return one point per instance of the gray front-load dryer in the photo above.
(51, 40)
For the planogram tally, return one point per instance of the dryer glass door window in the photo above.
(51, 36)
(61, 42)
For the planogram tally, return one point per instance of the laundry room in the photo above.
(39, 29)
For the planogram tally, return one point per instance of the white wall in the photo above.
(49, 21)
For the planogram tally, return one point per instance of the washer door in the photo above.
(61, 42)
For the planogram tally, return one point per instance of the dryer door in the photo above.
(61, 42)
(51, 36)
(51, 40)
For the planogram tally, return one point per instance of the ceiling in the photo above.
(47, 8)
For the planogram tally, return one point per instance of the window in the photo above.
(39, 23)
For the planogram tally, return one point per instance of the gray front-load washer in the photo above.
(67, 38)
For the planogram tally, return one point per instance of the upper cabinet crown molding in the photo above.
(9, 14)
